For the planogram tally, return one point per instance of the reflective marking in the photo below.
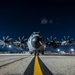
(37, 69)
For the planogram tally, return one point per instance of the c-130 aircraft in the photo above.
(35, 43)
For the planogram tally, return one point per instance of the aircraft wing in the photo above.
(19, 44)
(55, 44)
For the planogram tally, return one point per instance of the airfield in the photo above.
(26, 64)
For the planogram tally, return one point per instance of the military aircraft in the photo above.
(35, 43)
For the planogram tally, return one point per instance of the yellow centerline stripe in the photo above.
(37, 69)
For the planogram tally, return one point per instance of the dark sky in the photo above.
(21, 17)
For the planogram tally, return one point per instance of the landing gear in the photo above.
(42, 52)
(31, 52)
(36, 53)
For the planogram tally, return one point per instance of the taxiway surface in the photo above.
(24, 65)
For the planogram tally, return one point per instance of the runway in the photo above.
(22, 64)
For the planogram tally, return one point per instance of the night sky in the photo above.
(20, 17)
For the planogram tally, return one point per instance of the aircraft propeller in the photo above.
(21, 41)
(5, 41)
(68, 39)
(51, 39)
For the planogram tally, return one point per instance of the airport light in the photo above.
(72, 50)
(58, 50)
(10, 46)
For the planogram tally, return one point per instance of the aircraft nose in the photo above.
(36, 42)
